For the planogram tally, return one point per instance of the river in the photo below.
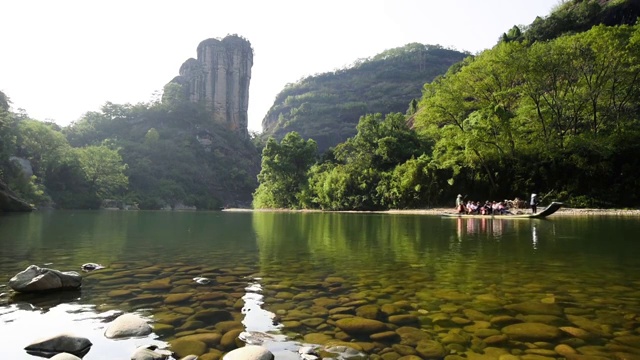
(420, 285)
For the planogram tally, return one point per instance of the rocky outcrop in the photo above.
(10, 202)
(37, 279)
(220, 78)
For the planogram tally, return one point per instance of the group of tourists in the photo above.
(489, 207)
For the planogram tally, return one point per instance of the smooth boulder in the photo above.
(37, 279)
(150, 352)
(65, 356)
(63, 343)
(128, 325)
(249, 352)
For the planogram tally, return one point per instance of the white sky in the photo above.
(60, 59)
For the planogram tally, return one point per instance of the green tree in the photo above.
(283, 177)
(104, 170)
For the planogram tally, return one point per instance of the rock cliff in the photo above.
(219, 78)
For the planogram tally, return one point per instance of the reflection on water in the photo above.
(287, 278)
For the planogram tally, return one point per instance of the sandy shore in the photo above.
(437, 211)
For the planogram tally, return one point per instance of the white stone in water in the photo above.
(128, 325)
(65, 356)
(201, 280)
(35, 278)
(249, 352)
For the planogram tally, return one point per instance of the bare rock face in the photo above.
(220, 78)
(37, 279)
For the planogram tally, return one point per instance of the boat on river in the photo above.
(549, 210)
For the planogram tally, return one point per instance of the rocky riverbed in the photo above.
(379, 316)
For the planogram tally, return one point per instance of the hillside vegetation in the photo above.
(326, 107)
(153, 156)
(556, 114)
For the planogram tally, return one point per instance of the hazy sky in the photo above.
(60, 59)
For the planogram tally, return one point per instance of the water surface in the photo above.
(292, 276)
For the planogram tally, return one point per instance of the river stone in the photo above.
(127, 325)
(37, 279)
(159, 284)
(191, 325)
(316, 338)
(412, 336)
(454, 338)
(564, 350)
(163, 329)
(545, 319)
(226, 326)
(368, 311)
(230, 339)
(149, 353)
(504, 320)
(65, 356)
(183, 347)
(630, 340)
(496, 339)
(249, 352)
(384, 336)
(404, 350)
(484, 333)
(473, 314)
(190, 357)
(177, 298)
(535, 308)
(531, 332)
(358, 325)
(169, 318)
(312, 322)
(119, 293)
(430, 349)
(407, 319)
(51, 346)
(184, 310)
(212, 316)
(209, 338)
(586, 357)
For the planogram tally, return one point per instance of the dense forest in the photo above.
(326, 107)
(165, 154)
(552, 109)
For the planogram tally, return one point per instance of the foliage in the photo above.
(556, 115)
(575, 16)
(167, 153)
(283, 174)
(326, 107)
(103, 169)
(367, 171)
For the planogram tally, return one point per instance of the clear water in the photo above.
(270, 265)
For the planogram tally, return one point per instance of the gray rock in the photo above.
(127, 325)
(35, 279)
(249, 352)
(220, 78)
(65, 356)
(91, 267)
(150, 352)
(63, 343)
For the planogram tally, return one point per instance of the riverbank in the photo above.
(440, 210)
